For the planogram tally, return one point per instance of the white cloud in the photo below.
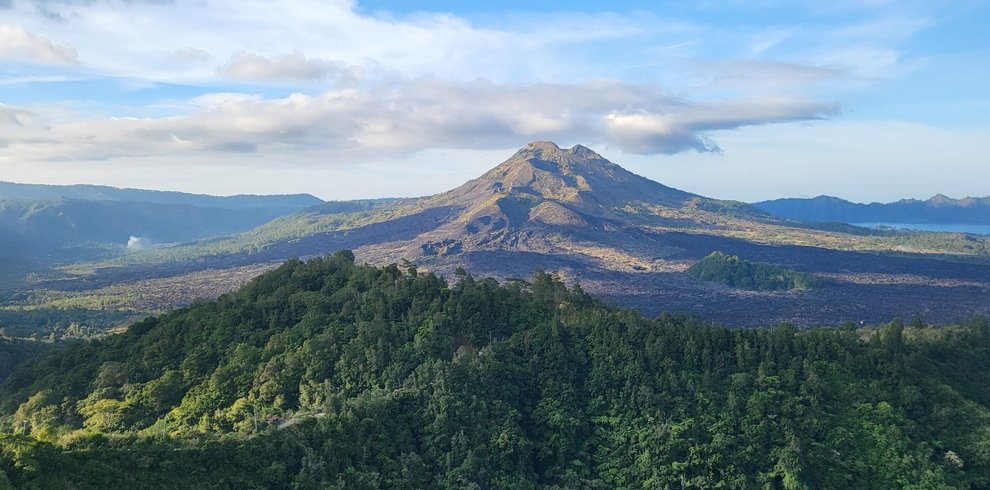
(762, 76)
(381, 89)
(406, 117)
(687, 127)
(13, 116)
(189, 55)
(17, 43)
(293, 66)
(871, 160)
(283, 41)
(835, 157)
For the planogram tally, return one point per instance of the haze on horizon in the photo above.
(868, 100)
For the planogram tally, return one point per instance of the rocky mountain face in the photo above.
(544, 198)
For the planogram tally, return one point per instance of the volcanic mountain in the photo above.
(543, 196)
(620, 235)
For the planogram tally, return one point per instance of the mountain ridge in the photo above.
(91, 192)
(938, 209)
(46, 226)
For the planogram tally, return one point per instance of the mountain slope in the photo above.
(44, 226)
(522, 204)
(543, 190)
(329, 374)
(69, 222)
(936, 210)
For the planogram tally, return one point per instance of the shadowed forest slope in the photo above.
(326, 373)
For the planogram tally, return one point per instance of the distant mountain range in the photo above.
(44, 225)
(622, 236)
(937, 210)
(84, 192)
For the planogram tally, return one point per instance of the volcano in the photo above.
(622, 236)
(553, 201)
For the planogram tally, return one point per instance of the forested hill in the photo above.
(936, 210)
(38, 235)
(45, 226)
(327, 374)
(61, 224)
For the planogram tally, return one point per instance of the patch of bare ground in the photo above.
(155, 294)
(874, 278)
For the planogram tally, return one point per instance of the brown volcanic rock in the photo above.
(577, 177)
(533, 200)
(551, 213)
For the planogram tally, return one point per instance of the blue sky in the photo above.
(867, 100)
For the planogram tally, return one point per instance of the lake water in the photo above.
(959, 228)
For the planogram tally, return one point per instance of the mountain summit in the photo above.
(549, 151)
(543, 167)
(576, 179)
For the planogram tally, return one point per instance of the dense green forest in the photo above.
(54, 324)
(15, 351)
(327, 374)
(743, 274)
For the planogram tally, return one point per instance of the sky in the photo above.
(868, 100)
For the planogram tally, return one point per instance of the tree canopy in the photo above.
(328, 374)
(743, 274)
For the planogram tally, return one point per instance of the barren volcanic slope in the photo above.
(622, 236)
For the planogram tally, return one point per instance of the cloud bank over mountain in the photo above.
(404, 117)
(190, 87)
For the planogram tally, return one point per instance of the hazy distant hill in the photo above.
(67, 222)
(36, 192)
(43, 225)
(937, 210)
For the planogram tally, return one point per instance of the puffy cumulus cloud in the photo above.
(687, 128)
(645, 133)
(17, 43)
(293, 66)
(405, 117)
